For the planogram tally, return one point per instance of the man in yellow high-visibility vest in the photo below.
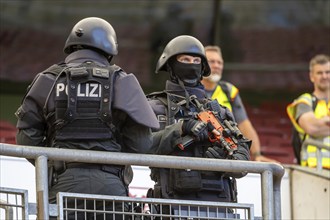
(310, 112)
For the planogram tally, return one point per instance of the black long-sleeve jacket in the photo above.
(132, 120)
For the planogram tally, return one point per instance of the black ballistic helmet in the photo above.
(94, 33)
(183, 44)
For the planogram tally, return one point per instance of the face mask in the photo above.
(213, 78)
(190, 74)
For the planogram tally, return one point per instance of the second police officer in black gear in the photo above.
(85, 103)
(184, 60)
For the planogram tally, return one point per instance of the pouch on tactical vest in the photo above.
(186, 181)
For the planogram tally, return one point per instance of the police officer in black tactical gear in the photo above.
(85, 103)
(184, 60)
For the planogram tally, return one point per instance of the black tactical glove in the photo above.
(215, 152)
(196, 128)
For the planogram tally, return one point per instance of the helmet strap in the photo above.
(185, 92)
(173, 77)
(109, 58)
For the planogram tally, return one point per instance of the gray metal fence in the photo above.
(271, 173)
(84, 206)
(80, 206)
(13, 203)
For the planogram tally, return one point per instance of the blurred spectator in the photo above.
(310, 113)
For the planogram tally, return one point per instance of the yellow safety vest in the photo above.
(322, 109)
(221, 96)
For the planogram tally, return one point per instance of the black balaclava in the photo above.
(185, 74)
(189, 74)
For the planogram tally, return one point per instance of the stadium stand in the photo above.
(7, 132)
(274, 129)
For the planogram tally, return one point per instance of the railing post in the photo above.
(267, 195)
(42, 187)
(277, 197)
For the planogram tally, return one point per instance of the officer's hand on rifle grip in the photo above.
(215, 152)
(195, 128)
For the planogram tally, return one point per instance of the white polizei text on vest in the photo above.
(83, 90)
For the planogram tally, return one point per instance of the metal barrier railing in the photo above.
(84, 206)
(14, 203)
(319, 146)
(271, 173)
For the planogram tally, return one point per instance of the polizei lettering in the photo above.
(92, 90)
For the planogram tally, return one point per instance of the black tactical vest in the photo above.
(174, 183)
(83, 98)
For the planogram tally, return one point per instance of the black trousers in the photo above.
(89, 181)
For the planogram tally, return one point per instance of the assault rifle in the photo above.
(229, 134)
